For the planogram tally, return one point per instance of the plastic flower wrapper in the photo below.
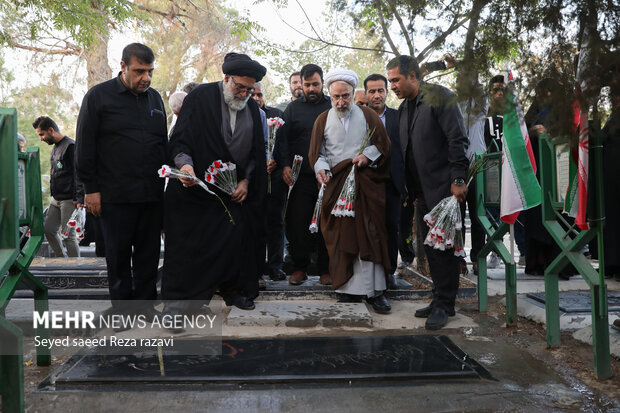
(222, 175)
(295, 168)
(273, 124)
(167, 172)
(76, 224)
(345, 206)
(445, 225)
(316, 216)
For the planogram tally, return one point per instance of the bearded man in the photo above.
(357, 246)
(219, 121)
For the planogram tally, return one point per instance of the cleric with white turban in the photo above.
(343, 75)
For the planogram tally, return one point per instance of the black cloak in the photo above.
(204, 251)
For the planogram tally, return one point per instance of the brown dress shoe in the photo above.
(297, 278)
(325, 279)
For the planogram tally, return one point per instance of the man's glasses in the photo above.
(241, 88)
(344, 97)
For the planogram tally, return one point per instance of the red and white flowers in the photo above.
(167, 172)
(446, 226)
(222, 175)
(273, 124)
(345, 206)
(316, 216)
(75, 224)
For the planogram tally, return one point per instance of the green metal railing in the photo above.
(20, 207)
(571, 241)
(495, 230)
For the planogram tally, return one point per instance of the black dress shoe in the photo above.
(243, 303)
(426, 311)
(396, 283)
(380, 304)
(277, 275)
(349, 298)
(437, 319)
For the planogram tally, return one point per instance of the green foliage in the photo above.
(82, 19)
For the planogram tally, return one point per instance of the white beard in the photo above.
(343, 113)
(229, 98)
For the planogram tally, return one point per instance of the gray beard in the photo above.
(342, 114)
(229, 99)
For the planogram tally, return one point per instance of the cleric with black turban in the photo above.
(205, 252)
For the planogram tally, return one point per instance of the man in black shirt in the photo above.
(294, 139)
(66, 195)
(121, 143)
(275, 200)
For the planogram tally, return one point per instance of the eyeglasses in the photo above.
(344, 97)
(241, 88)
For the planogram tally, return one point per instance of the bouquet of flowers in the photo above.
(222, 175)
(75, 224)
(446, 225)
(273, 124)
(167, 172)
(295, 168)
(316, 216)
(345, 206)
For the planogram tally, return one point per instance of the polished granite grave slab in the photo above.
(313, 359)
(579, 301)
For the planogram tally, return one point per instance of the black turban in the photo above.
(239, 64)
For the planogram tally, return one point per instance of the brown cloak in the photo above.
(366, 233)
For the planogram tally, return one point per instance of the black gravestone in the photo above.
(579, 301)
(282, 360)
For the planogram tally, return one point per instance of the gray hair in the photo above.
(259, 85)
(176, 101)
(20, 137)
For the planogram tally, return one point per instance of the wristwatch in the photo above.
(458, 182)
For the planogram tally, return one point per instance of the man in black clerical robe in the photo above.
(205, 252)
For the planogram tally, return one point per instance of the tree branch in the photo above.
(454, 26)
(385, 28)
(68, 51)
(403, 29)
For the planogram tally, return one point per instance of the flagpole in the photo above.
(512, 243)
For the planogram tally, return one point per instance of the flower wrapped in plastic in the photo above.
(76, 224)
(295, 168)
(222, 175)
(345, 206)
(167, 172)
(446, 226)
(316, 215)
(273, 124)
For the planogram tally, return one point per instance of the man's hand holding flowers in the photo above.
(241, 192)
(188, 169)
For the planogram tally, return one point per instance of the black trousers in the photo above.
(275, 221)
(405, 240)
(132, 234)
(444, 265)
(392, 222)
(298, 217)
(477, 232)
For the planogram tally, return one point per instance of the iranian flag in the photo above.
(576, 199)
(520, 188)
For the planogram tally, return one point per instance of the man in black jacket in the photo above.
(375, 87)
(294, 139)
(121, 143)
(66, 195)
(433, 143)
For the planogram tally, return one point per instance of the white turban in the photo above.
(343, 75)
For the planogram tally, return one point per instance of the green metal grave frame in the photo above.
(495, 231)
(571, 242)
(16, 254)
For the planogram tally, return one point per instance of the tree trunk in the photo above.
(96, 56)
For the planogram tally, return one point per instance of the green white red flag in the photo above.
(520, 188)
(576, 199)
